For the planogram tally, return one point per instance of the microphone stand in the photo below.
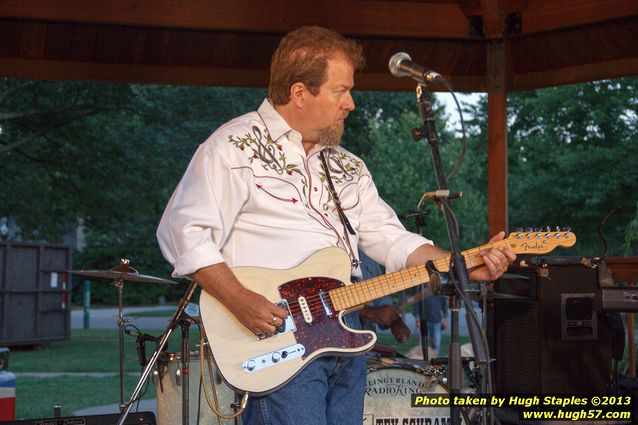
(458, 274)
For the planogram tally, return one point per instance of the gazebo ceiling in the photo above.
(543, 43)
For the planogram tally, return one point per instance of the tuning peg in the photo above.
(538, 229)
(549, 229)
(519, 230)
(567, 229)
(558, 228)
(529, 230)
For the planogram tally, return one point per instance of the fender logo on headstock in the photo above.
(535, 245)
(540, 242)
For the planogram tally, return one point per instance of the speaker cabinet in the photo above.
(548, 338)
(138, 418)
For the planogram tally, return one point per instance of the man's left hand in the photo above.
(496, 261)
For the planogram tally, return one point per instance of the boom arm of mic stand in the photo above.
(172, 324)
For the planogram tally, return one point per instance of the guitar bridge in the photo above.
(288, 324)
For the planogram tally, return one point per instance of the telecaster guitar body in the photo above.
(318, 328)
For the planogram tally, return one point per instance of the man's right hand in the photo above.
(256, 312)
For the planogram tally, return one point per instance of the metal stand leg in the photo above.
(119, 285)
(172, 324)
(186, 361)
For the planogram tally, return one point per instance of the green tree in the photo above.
(403, 170)
(105, 155)
(573, 158)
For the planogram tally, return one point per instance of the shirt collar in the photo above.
(278, 127)
(274, 122)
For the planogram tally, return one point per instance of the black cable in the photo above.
(459, 161)
(600, 231)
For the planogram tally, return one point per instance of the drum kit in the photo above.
(391, 378)
(172, 371)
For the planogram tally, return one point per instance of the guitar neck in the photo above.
(363, 292)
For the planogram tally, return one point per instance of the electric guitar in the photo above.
(316, 294)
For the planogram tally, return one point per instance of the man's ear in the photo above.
(298, 93)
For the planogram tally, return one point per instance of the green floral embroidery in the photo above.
(269, 153)
(344, 168)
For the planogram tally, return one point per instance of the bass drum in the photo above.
(390, 385)
(169, 393)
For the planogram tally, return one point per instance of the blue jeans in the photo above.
(434, 335)
(329, 391)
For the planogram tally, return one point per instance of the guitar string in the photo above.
(354, 293)
(376, 284)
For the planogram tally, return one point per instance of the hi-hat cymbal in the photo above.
(124, 273)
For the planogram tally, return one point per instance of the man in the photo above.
(256, 193)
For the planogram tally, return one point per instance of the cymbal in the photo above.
(123, 272)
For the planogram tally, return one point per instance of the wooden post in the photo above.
(497, 137)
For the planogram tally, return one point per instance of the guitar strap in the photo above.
(342, 216)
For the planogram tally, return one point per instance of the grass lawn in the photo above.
(35, 397)
(96, 350)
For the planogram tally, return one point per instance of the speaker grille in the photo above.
(537, 349)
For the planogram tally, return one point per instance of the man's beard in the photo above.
(331, 136)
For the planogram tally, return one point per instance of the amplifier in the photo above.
(550, 338)
(139, 418)
(617, 299)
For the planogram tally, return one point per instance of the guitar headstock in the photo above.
(536, 241)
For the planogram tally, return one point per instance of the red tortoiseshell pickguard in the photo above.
(325, 330)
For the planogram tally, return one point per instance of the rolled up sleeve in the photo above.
(201, 212)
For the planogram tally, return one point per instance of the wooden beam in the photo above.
(42, 69)
(497, 196)
(366, 17)
(130, 73)
(543, 15)
(576, 74)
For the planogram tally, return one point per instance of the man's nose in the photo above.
(348, 102)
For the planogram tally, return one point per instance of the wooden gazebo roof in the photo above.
(230, 42)
(492, 46)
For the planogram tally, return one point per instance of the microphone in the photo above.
(141, 350)
(401, 65)
(141, 336)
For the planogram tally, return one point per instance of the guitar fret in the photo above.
(357, 294)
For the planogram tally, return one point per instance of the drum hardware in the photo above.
(180, 318)
(390, 384)
(168, 378)
(172, 324)
(118, 274)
